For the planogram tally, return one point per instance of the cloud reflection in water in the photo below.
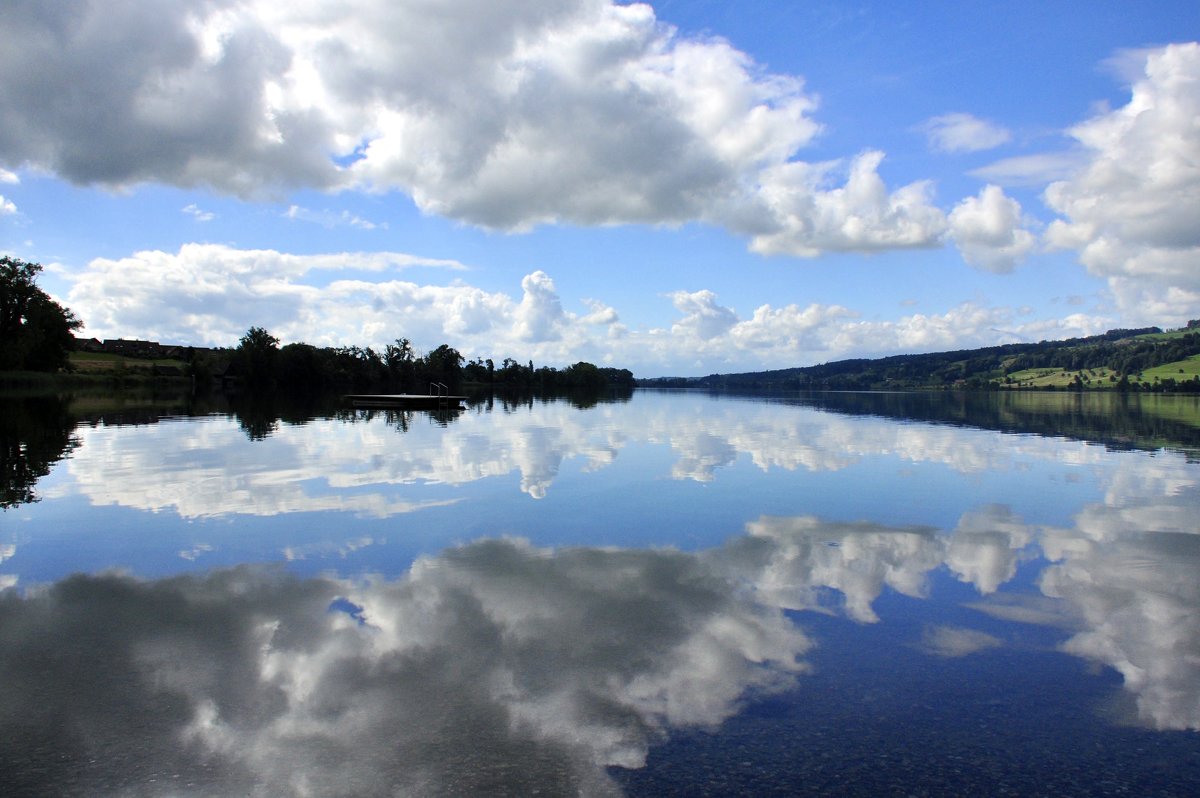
(494, 667)
(1132, 574)
(498, 666)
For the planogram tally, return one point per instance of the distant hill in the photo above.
(1145, 359)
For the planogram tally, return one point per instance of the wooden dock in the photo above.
(407, 401)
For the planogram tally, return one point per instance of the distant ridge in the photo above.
(1123, 359)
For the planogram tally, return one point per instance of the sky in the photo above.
(679, 189)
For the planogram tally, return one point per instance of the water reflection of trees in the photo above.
(35, 433)
(38, 431)
(399, 419)
(581, 397)
(259, 413)
(1119, 421)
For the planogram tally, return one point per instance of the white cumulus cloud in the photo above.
(540, 315)
(703, 317)
(1131, 211)
(805, 216)
(207, 294)
(987, 230)
(789, 328)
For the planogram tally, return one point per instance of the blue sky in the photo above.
(684, 188)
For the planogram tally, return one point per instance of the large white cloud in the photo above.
(540, 315)
(1131, 211)
(808, 215)
(789, 328)
(504, 114)
(209, 294)
(703, 318)
(118, 93)
(593, 112)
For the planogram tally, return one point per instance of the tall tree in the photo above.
(256, 355)
(444, 365)
(35, 331)
(401, 363)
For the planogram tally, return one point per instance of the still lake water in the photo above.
(673, 594)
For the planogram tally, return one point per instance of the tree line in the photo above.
(259, 361)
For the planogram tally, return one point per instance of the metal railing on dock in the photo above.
(441, 391)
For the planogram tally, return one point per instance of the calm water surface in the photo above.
(675, 594)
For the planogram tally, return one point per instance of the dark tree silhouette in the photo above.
(256, 356)
(35, 331)
(444, 365)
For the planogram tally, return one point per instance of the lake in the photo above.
(664, 594)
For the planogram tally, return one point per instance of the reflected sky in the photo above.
(543, 596)
(489, 655)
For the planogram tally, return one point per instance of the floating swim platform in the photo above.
(407, 401)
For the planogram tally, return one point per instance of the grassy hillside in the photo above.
(100, 363)
(1179, 370)
(1120, 360)
(98, 369)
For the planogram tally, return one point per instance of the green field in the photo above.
(1165, 336)
(1059, 378)
(1102, 378)
(1179, 370)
